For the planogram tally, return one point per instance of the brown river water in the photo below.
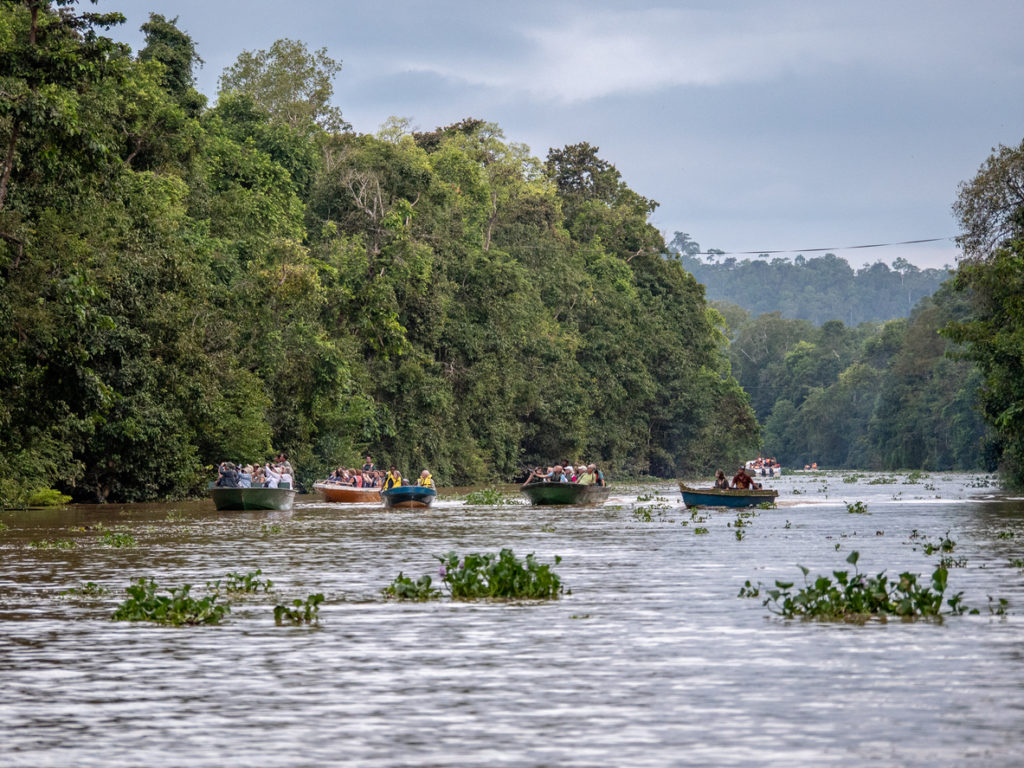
(652, 660)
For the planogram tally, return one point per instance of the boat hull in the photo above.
(347, 494)
(252, 498)
(408, 496)
(565, 493)
(718, 497)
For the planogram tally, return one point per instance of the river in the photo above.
(649, 659)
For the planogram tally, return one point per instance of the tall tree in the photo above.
(293, 85)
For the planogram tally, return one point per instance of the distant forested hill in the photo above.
(816, 289)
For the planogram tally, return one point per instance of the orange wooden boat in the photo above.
(348, 494)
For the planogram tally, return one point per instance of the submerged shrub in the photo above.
(858, 596)
(176, 608)
(857, 508)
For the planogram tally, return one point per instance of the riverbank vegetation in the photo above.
(184, 283)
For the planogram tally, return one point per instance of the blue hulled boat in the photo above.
(719, 497)
(408, 496)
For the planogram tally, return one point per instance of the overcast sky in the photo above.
(756, 125)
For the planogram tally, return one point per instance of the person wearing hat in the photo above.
(426, 480)
(245, 477)
(587, 476)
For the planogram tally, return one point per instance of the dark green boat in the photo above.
(253, 498)
(547, 492)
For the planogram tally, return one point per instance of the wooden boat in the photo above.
(547, 492)
(719, 497)
(253, 498)
(348, 494)
(408, 496)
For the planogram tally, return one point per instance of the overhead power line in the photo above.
(818, 250)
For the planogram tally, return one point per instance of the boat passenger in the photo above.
(393, 479)
(742, 481)
(227, 475)
(425, 481)
(559, 475)
(587, 476)
(286, 480)
(721, 482)
(273, 476)
(368, 464)
(245, 477)
(538, 475)
(598, 475)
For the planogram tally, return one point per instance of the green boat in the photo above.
(253, 498)
(574, 494)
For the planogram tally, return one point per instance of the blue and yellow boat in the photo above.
(408, 496)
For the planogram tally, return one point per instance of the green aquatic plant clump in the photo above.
(300, 611)
(857, 508)
(52, 544)
(499, 576)
(489, 497)
(238, 583)
(404, 588)
(118, 539)
(857, 596)
(176, 608)
(88, 589)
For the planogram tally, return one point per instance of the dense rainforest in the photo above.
(183, 283)
(817, 289)
(891, 395)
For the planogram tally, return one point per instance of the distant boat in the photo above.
(252, 498)
(408, 496)
(348, 494)
(546, 492)
(720, 497)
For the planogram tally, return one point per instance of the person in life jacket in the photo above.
(393, 479)
(426, 480)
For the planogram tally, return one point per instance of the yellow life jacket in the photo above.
(426, 482)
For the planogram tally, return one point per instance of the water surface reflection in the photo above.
(651, 660)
